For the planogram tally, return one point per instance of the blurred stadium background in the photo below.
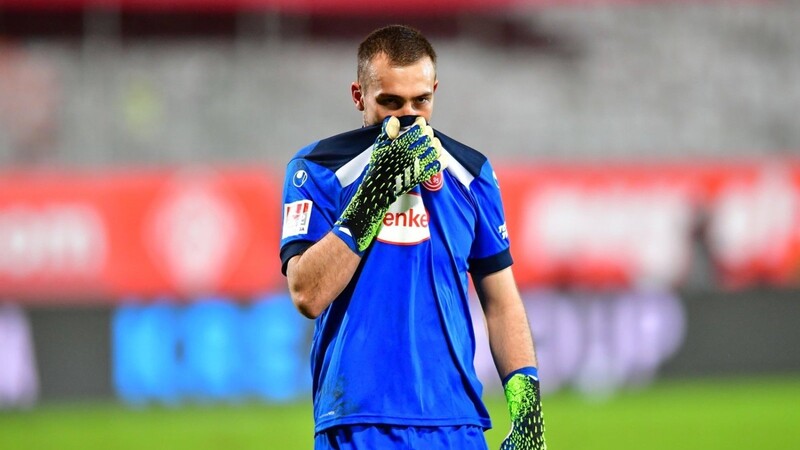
(648, 152)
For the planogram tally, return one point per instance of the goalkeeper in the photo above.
(382, 228)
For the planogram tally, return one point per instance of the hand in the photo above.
(525, 406)
(397, 164)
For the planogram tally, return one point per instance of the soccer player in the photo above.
(382, 227)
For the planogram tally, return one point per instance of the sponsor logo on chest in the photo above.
(406, 222)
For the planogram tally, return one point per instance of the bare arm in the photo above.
(510, 337)
(317, 276)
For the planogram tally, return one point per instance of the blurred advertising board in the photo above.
(616, 226)
(167, 350)
(213, 349)
(83, 237)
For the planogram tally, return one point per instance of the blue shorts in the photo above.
(367, 437)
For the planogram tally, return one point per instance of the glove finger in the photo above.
(437, 165)
(442, 157)
(437, 144)
(428, 131)
(432, 169)
(408, 139)
(426, 151)
(423, 126)
(391, 127)
(421, 146)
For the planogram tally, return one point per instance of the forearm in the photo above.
(318, 275)
(507, 324)
(511, 342)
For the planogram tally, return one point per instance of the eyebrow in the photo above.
(398, 97)
(388, 97)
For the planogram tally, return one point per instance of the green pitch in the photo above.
(761, 413)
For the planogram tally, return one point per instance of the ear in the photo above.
(357, 95)
(435, 85)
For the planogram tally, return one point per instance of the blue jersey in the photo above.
(397, 346)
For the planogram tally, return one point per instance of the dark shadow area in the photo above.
(500, 29)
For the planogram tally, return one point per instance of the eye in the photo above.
(390, 103)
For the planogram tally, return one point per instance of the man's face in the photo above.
(396, 91)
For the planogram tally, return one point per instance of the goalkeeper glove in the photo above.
(397, 164)
(525, 406)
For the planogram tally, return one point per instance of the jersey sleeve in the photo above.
(490, 250)
(310, 206)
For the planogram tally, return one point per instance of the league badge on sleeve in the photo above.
(296, 217)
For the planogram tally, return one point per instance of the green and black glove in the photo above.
(398, 163)
(525, 406)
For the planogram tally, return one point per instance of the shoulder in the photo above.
(466, 162)
(336, 151)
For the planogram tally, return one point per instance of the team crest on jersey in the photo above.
(296, 217)
(434, 183)
(406, 222)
